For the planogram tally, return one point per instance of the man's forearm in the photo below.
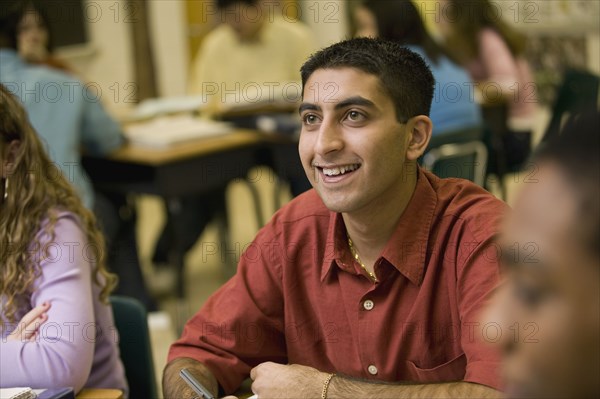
(174, 387)
(347, 388)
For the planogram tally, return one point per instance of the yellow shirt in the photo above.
(233, 72)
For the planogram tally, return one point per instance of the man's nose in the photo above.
(329, 138)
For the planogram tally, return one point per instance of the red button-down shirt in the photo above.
(300, 298)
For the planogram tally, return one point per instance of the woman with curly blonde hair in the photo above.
(57, 325)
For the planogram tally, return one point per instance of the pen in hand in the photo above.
(195, 384)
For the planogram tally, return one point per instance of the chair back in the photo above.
(464, 160)
(134, 344)
(577, 94)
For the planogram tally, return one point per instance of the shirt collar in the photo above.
(406, 248)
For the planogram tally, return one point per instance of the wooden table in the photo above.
(97, 393)
(190, 168)
(182, 169)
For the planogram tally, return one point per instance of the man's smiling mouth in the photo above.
(339, 170)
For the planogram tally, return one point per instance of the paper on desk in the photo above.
(168, 130)
(17, 393)
(152, 107)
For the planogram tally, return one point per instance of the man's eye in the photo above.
(310, 119)
(355, 116)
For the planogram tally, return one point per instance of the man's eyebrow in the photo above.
(308, 106)
(357, 100)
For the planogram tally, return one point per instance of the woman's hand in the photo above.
(28, 327)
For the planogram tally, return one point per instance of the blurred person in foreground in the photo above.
(454, 113)
(369, 285)
(69, 117)
(549, 305)
(53, 281)
(251, 58)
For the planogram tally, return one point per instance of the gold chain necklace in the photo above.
(355, 254)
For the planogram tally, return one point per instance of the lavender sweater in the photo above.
(78, 345)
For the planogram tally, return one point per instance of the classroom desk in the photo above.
(182, 169)
(189, 168)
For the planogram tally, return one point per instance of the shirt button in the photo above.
(368, 304)
(372, 370)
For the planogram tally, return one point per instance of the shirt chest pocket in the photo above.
(453, 370)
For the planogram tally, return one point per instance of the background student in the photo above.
(493, 53)
(454, 113)
(33, 39)
(253, 46)
(68, 117)
(57, 325)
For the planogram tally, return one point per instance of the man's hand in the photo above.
(272, 380)
(28, 327)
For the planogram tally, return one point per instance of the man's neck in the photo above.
(371, 228)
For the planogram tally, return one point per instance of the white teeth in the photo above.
(339, 170)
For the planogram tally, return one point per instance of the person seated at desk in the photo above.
(371, 284)
(68, 118)
(34, 41)
(252, 47)
(550, 301)
(454, 113)
(494, 54)
(57, 325)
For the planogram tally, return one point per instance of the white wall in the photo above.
(107, 62)
(327, 19)
(167, 20)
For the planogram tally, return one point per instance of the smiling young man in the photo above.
(370, 285)
(550, 303)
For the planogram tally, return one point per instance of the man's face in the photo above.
(351, 145)
(549, 305)
(246, 20)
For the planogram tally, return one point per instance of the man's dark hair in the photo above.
(403, 74)
(576, 151)
(222, 4)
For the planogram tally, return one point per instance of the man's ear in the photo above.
(9, 158)
(420, 133)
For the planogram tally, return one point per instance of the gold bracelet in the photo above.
(326, 385)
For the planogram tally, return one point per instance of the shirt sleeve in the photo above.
(497, 60)
(241, 325)
(477, 278)
(101, 134)
(63, 353)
